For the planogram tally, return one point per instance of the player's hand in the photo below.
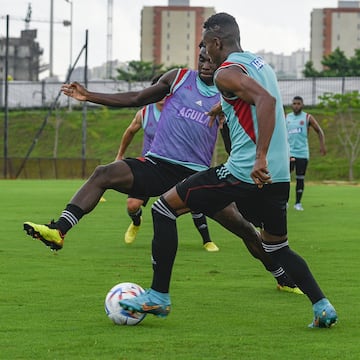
(75, 90)
(216, 112)
(260, 173)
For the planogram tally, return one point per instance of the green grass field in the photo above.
(225, 306)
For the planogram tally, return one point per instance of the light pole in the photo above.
(71, 46)
(71, 31)
(51, 73)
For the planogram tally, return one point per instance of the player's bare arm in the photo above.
(129, 134)
(146, 96)
(214, 113)
(232, 81)
(315, 125)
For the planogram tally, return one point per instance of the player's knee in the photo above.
(161, 208)
(113, 174)
(98, 173)
(133, 204)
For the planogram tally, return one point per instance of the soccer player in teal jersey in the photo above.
(298, 125)
(256, 175)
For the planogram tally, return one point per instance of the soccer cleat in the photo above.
(289, 289)
(50, 237)
(210, 246)
(131, 233)
(150, 302)
(298, 207)
(324, 314)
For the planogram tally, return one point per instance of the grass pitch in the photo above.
(225, 305)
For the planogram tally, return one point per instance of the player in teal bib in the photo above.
(256, 175)
(298, 124)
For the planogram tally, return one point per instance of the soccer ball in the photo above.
(114, 310)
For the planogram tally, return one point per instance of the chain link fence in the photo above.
(25, 94)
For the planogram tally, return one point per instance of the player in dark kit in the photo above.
(256, 175)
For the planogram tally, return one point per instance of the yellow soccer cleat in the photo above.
(294, 290)
(131, 233)
(49, 236)
(211, 246)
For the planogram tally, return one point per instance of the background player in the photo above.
(298, 125)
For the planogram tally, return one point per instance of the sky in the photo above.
(278, 26)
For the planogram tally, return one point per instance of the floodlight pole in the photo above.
(51, 67)
(6, 105)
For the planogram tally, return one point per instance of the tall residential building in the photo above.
(333, 28)
(170, 35)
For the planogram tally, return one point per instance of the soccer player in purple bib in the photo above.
(147, 118)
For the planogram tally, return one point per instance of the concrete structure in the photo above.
(170, 35)
(24, 56)
(333, 28)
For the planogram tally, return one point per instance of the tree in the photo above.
(142, 71)
(336, 64)
(345, 109)
(310, 71)
(139, 71)
(354, 63)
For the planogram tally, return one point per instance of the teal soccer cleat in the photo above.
(324, 314)
(151, 302)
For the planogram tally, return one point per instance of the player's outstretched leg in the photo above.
(324, 313)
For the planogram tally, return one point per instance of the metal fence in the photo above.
(25, 94)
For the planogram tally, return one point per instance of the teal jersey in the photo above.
(243, 124)
(297, 126)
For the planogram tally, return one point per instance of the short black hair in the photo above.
(298, 98)
(223, 26)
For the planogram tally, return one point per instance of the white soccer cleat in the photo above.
(298, 207)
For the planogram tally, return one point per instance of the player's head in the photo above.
(206, 67)
(297, 104)
(221, 36)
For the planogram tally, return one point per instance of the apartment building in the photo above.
(170, 35)
(333, 28)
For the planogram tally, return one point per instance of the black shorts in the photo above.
(153, 177)
(144, 199)
(300, 165)
(212, 190)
